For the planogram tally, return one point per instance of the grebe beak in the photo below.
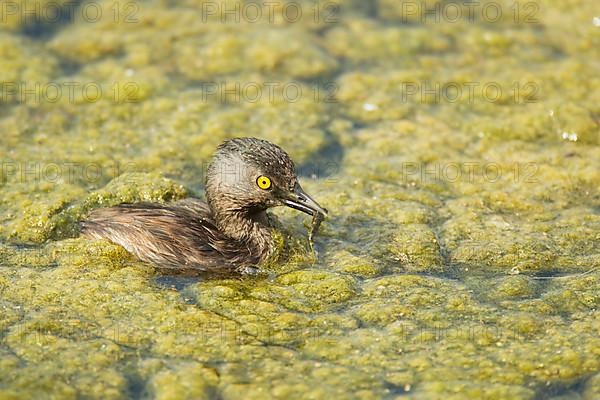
(300, 200)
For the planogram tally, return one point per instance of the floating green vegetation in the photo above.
(460, 163)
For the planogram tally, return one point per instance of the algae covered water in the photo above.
(455, 144)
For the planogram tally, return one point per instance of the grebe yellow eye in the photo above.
(263, 182)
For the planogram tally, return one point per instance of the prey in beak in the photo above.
(300, 200)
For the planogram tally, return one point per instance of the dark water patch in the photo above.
(370, 8)
(397, 390)
(568, 389)
(27, 255)
(181, 279)
(559, 274)
(49, 19)
(177, 283)
(69, 68)
(136, 386)
(324, 164)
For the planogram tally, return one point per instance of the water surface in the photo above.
(459, 159)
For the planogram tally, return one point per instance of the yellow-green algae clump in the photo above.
(461, 257)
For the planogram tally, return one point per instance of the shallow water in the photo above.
(459, 159)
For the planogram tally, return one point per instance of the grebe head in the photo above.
(249, 175)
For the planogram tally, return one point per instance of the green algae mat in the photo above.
(456, 146)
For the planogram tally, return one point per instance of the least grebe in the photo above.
(232, 230)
